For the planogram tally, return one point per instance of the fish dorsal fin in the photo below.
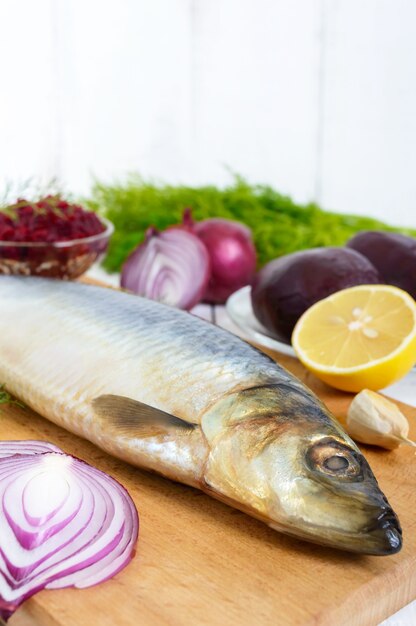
(131, 418)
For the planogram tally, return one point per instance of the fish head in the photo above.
(331, 494)
(277, 452)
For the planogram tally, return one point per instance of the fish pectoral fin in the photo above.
(131, 418)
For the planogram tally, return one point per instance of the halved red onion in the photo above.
(172, 267)
(232, 254)
(63, 523)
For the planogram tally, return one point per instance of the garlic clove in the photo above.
(375, 420)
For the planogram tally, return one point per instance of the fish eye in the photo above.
(331, 457)
(336, 463)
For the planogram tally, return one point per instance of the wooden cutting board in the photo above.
(202, 563)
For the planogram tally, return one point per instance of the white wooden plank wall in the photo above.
(369, 118)
(316, 97)
(28, 120)
(256, 87)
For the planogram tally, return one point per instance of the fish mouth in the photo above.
(383, 537)
(387, 532)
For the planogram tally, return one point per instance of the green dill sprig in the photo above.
(12, 210)
(279, 225)
(29, 192)
(6, 398)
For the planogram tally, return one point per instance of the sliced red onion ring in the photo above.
(172, 267)
(9, 448)
(63, 523)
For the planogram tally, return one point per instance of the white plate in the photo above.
(239, 309)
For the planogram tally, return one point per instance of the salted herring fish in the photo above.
(166, 391)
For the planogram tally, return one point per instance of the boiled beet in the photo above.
(392, 254)
(284, 288)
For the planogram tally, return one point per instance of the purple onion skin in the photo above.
(6, 610)
(286, 287)
(232, 254)
(392, 254)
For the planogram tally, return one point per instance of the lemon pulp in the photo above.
(361, 337)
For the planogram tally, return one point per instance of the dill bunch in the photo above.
(279, 225)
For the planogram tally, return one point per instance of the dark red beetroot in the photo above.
(232, 255)
(284, 288)
(392, 254)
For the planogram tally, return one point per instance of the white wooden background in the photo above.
(316, 97)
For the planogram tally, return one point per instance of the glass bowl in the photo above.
(59, 259)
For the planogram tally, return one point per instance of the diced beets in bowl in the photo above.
(48, 220)
(51, 238)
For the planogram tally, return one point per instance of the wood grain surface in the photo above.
(202, 563)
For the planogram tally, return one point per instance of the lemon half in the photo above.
(359, 338)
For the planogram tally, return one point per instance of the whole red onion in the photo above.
(172, 267)
(231, 251)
